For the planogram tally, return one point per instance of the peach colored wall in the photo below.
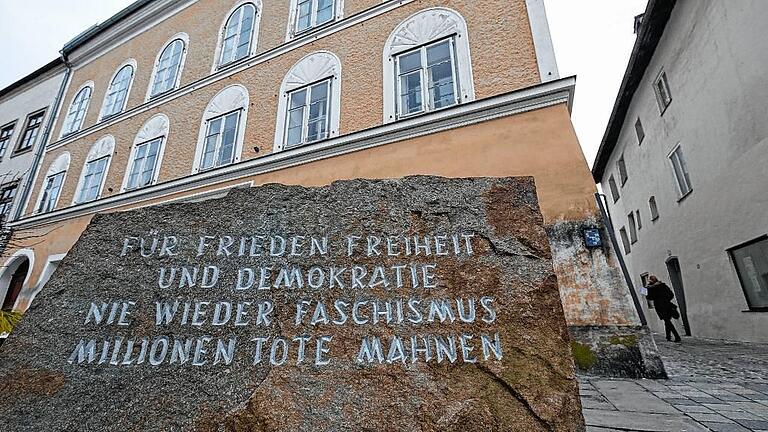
(503, 60)
(539, 143)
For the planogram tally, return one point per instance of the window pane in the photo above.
(410, 93)
(324, 11)
(226, 150)
(211, 139)
(246, 28)
(409, 62)
(440, 73)
(295, 122)
(752, 265)
(304, 15)
(318, 112)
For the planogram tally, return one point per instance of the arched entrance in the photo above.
(15, 284)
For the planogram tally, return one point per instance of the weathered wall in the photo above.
(719, 88)
(539, 143)
(503, 59)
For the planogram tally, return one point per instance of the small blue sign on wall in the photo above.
(592, 238)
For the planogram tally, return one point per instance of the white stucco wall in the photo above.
(713, 53)
(16, 107)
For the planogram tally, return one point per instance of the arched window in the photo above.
(52, 183)
(236, 40)
(117, 93)
(167, 73)
(222, 130)
(427, 65)
(147, 153)
(95, 170)
(310, 96)
(77, 110)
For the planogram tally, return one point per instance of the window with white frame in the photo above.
(310, 97)
(427, 65)
(168, 68)
(222, 129)
(313, 13)
(93, 178)
(661, 88)
(680, 170)
(51, 190)
(77, 109)
(426, 78)
(219, 145)
(308, 110)
(94, 170)
(146, 153)
(117, 93)
(638, 220)
(52, 183)
(144, 164)
(238, 34)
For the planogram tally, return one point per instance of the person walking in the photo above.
(661, 296)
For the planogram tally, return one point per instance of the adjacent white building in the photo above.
(684, 163)
(27, 108)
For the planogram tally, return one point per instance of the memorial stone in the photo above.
(415, 304)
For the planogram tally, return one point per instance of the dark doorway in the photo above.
(676, 278)
(14, 288)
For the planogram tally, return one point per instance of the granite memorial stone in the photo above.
(417, 304)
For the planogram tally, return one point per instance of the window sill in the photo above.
(755, 310)
(655, 219)
(687, 194)
(663, 110)
(310, 30)
(21, 152)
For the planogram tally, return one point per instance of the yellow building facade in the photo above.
(184, 100)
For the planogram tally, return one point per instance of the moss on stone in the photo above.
(628, 341)
(583, 356)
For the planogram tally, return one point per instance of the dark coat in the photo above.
(662, 296)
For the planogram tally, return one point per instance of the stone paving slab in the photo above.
(713, 386)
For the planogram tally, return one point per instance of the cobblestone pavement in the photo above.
(714, 386)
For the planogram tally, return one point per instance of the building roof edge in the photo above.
(58, 62)
(655, 19)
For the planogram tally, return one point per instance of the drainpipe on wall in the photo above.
(609, 226)
(27, 189)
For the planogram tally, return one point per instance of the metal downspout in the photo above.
(27, 189)
(622, 264)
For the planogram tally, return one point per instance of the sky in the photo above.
(592, 38)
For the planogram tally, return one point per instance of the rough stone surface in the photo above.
(531, 388)
(617, 351)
